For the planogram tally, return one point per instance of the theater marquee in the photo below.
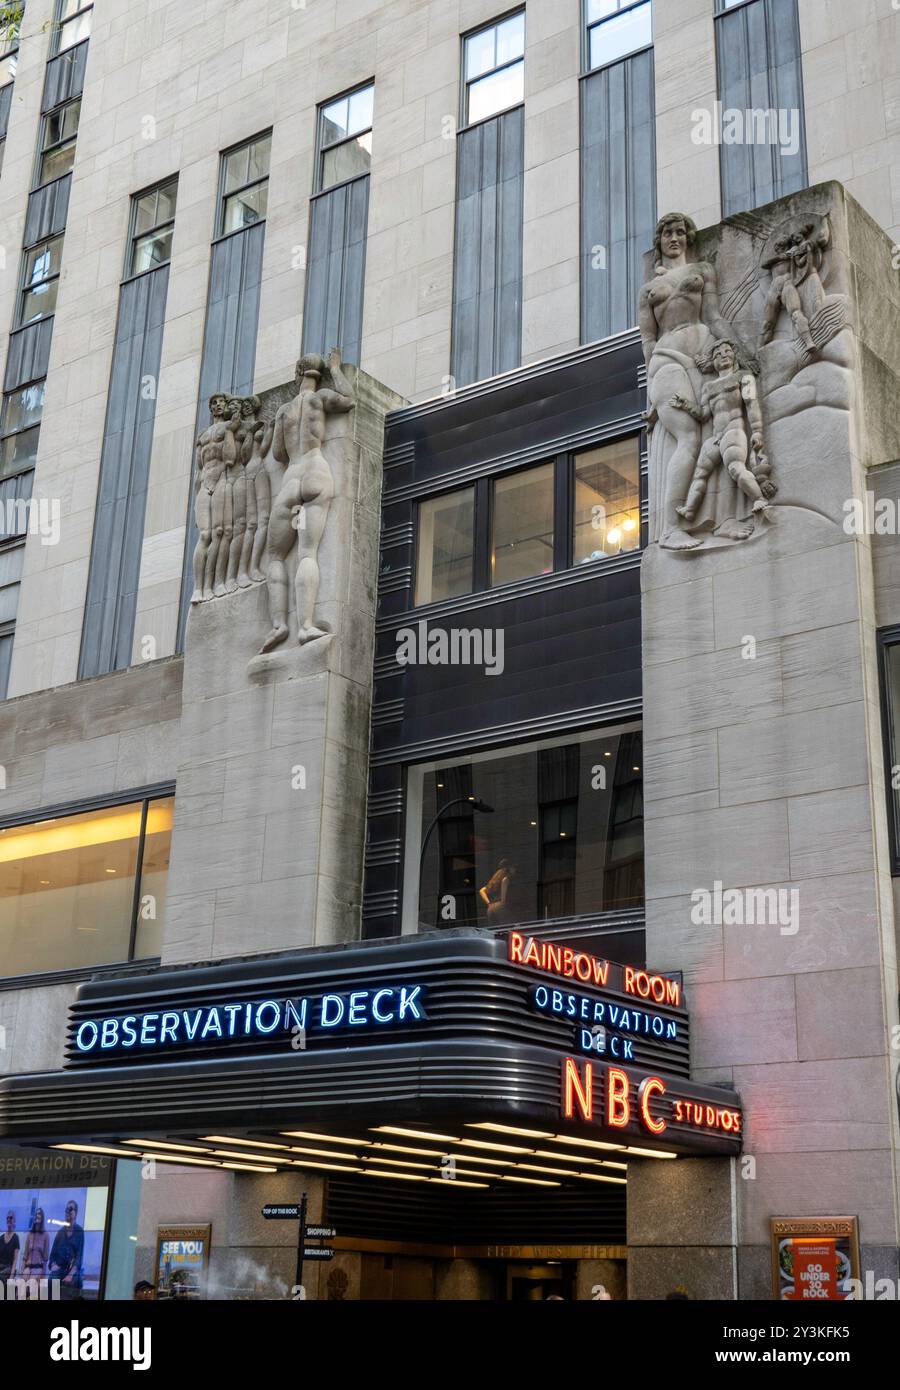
(438, 1031)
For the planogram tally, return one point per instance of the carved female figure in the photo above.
(679, 319)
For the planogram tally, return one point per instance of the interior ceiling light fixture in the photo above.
(511, 1129)
(249, 1168)
(165, 1144)
(319, 1138)
(413, 1133)
(230, 1139)
(588, 1143)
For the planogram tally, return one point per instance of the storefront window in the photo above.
(607, 501)
(522, 524)
(531, 835)
(67, 888)
(446, 546)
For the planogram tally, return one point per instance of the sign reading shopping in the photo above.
(388, 1006)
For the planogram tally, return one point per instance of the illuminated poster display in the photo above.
(53, 1222)
(182, 1261)
(815, 1259)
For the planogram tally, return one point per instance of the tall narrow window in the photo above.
(40, 279)
(114, 573)
(152, 228)
(59, 132)
(446, 546)
(245, 185)
(345, 138)
(618, 163)
(487, 273)
(73, 24)
(494, 69)
(232, 310)
(760, 80)
(522, 519)
(339, 223)
(10, 26)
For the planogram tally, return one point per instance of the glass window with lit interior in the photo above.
(446, 544)
(494, 69)
(522, 524)
(607, 501)
(551, 830)
(83, 890)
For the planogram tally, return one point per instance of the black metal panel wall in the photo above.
(229, 347)
(28, 354)
(64, 78)
(572, 638)
(48, 208)
(618, 181)
(759, 68)
(487, 279)
(124, 471)
(335, 279)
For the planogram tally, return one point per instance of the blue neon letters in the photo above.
(389, 1005)
(620, 1018)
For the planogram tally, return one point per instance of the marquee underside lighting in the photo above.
(389, 1152)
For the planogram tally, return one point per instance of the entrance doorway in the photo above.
(535, 1283)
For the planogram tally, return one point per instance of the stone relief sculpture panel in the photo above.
(726, 362)
(263, 490)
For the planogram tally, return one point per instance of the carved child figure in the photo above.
(216, 453)
(796, 254)
(731, 402)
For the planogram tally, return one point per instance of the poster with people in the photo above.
(54, 1234)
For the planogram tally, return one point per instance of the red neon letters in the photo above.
(608, 1096)
(591, 970)
(578, 1096)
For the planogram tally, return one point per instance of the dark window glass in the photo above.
(565, 837)
(67, 887)
(607, 510)
(446, 546)
(522, 525)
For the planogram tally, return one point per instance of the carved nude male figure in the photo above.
(216, 453)
(794, 259)
(730, 400)
(307, 488)
(255, 440)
